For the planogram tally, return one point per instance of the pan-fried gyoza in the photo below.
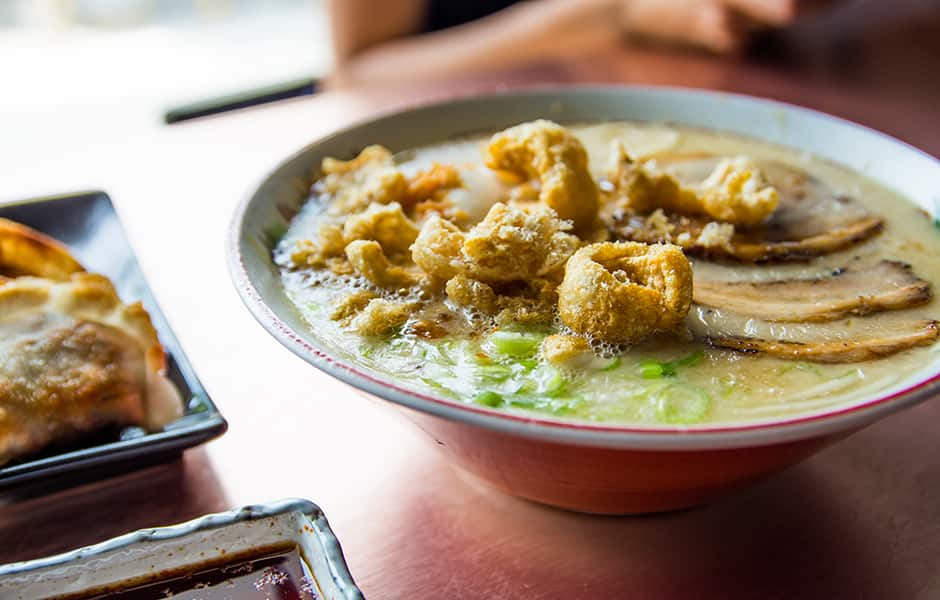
(74, 359)
(616, 272)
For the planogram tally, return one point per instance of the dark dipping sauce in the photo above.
(278, 574)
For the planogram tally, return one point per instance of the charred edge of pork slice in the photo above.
(804, 249)
(921, 333)
(855, 290)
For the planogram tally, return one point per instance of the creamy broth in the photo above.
(664, 380)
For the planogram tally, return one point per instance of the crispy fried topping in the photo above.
(736, 191)
(428, 185)
(330, 243)
(549, 153)
(437, 249)
(510, 244)
(623, 292)
(357, 183)
(351, 305)
(472, 293)
(384, 223)
(381, 317)
(368, 259)
(568, 350)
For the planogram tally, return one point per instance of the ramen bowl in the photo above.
(579, 465)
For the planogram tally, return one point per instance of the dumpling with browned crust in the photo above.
(25, 251)
(74, 359)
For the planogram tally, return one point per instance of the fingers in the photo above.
(712, 26)
(770, 12)
(705, 23)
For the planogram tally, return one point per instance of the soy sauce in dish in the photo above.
(280, 574)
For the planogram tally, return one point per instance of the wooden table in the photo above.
(860, 520)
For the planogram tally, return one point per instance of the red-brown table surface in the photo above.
(860, 520)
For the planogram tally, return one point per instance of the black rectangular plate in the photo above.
(89, 226)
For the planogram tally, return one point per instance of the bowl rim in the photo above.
(723, 436)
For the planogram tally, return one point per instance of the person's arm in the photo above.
(374, 41)
(717, 25)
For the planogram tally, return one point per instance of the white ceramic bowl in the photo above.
(590, 467)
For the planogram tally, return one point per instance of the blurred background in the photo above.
(89, 67)
(74, 70)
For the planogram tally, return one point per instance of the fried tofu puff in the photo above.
(329, 243)
(509, 244)
(351, 305)
(736, 192)
(512, 244)
(369, 261)
(622, 292)
(566, 350)
(384, 223)
(432, 183)
(506, 266)
(644, 189)
(464, 291)
(552, 155)
(381, 317)
(437, 249)
(355, 184)
(529, 303)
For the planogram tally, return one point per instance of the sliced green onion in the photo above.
(489, 398)
(652, 369)
(551, 381)
(516, 344)
(522, 402)
(528, 364)
(495, 372)
(688, 361)
(682, 404)
(443, 354)
(561, 406)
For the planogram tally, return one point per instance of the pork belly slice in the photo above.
(843, 341)
(853, 290)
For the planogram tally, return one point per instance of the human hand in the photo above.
(718, 25)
